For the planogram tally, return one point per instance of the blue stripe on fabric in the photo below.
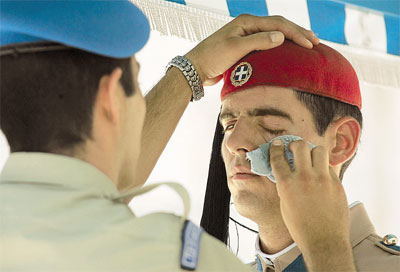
(259, 265)
(191, 240)
(297, 265)
(178, 1)
(327, 20)
(253, 7)
(386, 6)
(393, 34)
(394, 247)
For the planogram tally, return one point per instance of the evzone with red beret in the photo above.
(289, 126)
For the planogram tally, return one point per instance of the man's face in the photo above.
(250, 118)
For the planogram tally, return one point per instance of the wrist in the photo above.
(329, 256)
(193, 58)
(190, 73)
(175, 76)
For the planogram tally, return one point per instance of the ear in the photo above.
(107, 98)
(346, 134)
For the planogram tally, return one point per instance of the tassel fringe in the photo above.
(172, 19)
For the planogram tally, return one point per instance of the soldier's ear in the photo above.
(108, 101)
(345, 133)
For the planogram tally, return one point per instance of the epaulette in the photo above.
(388, 244)
(191, 238)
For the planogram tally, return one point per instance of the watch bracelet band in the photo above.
(191, 75)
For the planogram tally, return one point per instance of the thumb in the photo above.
(262, 40)
(279, 164)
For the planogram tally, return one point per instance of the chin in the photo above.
(256, 205)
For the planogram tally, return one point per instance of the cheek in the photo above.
(226, 155)
(311, 136)
(307, 131)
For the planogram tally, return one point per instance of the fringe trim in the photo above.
(172, 19)
(178, 20)
(371, 66)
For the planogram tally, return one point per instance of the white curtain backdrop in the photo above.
(372, 178)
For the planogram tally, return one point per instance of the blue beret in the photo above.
(115, 29)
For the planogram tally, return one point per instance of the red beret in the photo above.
(322, 71)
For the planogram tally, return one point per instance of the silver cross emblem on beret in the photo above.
(241, 74)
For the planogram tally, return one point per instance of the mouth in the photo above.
(241, 172)
(243, 176)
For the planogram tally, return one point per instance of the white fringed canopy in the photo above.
(367, 40)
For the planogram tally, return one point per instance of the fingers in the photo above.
(262, 40)
(213, 56)
(320, 159)
(301, 155)
(280, 167)
(304, 159)
(312, 37)
(302, 36)
(253, 24)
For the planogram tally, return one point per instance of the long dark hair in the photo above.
(215, 218)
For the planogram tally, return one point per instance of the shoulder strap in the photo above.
(178, 188)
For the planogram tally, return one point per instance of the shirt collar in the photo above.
(47, 168)
(360, 228)
(270, 258)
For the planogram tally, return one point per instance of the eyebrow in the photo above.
(257, 112)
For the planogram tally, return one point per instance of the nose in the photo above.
(242, 138)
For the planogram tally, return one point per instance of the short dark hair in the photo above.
(215, 218)
(324, 110)
(47, 98)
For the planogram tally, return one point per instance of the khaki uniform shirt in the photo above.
(61, 214)
(370, 253)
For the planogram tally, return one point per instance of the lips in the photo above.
(241, 172)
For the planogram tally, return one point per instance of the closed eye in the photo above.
(270, 131)
(274, 132)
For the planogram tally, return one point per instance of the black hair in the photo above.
(215, 219)
(47, 98)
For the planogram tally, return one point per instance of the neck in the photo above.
(274, 238)
(98, 156)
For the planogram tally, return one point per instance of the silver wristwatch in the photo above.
(191, 75)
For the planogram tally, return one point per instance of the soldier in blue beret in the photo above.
(82, 142)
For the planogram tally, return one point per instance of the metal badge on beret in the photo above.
(241, 74)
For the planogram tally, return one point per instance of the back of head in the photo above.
(52, 56)
(47, 97)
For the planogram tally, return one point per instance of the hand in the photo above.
(313, 206)
(246, 33)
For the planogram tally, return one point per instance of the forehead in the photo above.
(261, 96)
